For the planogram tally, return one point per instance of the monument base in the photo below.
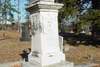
(45, 39)
(46, 59)
(61, 64)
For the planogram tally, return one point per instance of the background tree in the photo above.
(92, 17)
(6, 12)
(69, 12)
(80, 13)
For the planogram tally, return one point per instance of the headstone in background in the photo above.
(25, 34)
(61, 43)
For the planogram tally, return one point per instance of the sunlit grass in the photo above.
(11, 46)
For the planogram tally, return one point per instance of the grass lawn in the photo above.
(11, 46)
(83, 54)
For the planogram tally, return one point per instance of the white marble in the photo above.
(61, 64)
(33, 1)
(61, 43)
(45, 41)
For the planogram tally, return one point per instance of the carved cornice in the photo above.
(43, 5)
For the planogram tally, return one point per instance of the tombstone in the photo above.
(61, 43)
(45, 39)
(25, 35)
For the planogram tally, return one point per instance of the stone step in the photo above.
(62, 64)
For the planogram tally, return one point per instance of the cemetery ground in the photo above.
(11, 47)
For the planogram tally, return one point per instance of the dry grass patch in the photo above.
(83, 54)
(11, 47)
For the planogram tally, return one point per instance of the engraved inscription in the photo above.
(35, 53)
(36, 25)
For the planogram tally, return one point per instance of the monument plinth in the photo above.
(45, 38)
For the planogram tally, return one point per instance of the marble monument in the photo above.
(45, 38)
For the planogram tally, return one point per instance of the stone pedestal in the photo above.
(45, 38)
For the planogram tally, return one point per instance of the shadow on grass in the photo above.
(77, 39)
